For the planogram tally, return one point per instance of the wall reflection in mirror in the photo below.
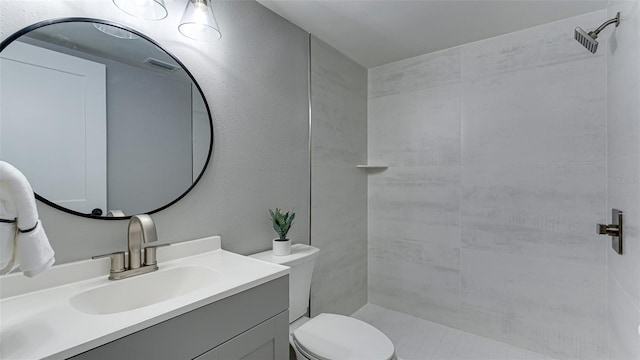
(101, 119)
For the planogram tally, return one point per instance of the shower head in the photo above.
(588, 39)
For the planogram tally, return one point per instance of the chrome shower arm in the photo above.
(615, 20)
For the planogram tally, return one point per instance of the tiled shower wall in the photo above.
(623, 165)
(485, 219)
(338, 188)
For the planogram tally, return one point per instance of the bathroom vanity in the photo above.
(203, 303)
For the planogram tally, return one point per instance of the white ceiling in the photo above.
(376, 32)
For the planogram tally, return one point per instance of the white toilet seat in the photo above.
(300, 350)
(333, 337)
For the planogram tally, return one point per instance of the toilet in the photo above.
(326, 336)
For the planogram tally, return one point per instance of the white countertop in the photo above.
(37, 320)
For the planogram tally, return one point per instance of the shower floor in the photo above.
(420, 339)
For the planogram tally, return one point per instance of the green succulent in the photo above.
(282, 222)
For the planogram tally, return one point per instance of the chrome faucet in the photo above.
(141, 229)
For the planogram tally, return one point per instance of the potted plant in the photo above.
(281, 224)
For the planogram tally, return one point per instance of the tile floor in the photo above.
(420, 339)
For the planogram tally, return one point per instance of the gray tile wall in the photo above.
(338, 188)
(485, 219)
(623, 186)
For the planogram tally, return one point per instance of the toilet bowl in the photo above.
(325, 336)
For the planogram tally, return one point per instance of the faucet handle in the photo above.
(150, 254)
(117, 261)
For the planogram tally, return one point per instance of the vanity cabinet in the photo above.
(253, 324)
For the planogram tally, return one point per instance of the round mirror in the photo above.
(102, 121)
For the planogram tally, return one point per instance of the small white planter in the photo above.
(281, 248)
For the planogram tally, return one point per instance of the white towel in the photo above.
(34, 251)
(7, 231)
(7, 237)
(31, 248)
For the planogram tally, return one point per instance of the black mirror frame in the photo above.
(40, 24)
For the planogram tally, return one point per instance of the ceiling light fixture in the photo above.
(145, 9)
(198, 21)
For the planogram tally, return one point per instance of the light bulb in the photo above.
(198, 21)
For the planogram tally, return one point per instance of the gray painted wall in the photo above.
(623, 171)
(339, 189)
(485, 219)
(255, 80)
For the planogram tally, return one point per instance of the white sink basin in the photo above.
(144, 290)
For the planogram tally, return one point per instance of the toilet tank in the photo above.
(301, 261)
